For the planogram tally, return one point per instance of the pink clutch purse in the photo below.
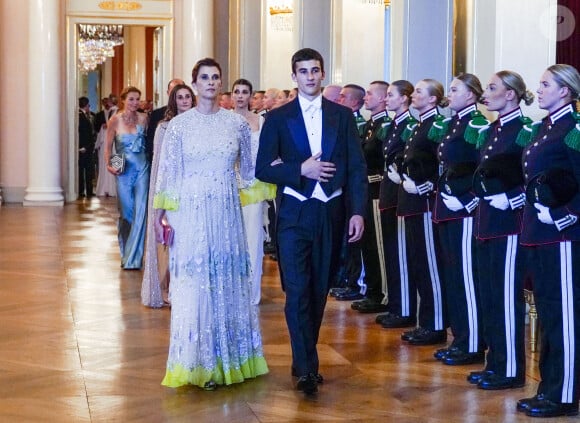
(167, 235)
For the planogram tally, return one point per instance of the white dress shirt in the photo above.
(312, 115)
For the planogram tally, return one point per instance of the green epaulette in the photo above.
(408, 131)
(572, 140)
(528, 131)
(360, 123)
(477, 122)
(439, 128)
(482, 136)
(384, 129)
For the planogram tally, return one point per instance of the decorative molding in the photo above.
(279, 10)
(128, 6)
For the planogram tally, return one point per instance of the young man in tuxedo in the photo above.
(310, 148)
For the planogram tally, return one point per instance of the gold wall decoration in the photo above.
(280, 10)
(120, 5)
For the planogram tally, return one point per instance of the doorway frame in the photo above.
(70, 146)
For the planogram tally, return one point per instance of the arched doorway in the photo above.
(161, 62)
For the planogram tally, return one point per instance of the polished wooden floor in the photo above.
(76, 345)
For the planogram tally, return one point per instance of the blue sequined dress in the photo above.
(215, 334)
(132, 189)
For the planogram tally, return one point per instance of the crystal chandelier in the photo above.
(96, 44)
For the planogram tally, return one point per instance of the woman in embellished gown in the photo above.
(253, 197)
(127, 129)
(215, 336)
(156, 274)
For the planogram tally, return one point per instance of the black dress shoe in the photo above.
(269, 248)
(349, 294)
(495, 382)
(319, 378)
(396, 321)
(356, 304)
(426, 336)
(408, 334)
(460, 358)
(307, 384)
(365, 300)
(333, 292)
(210, 386)
(372, 307)
(387, 315)
(475, 377)
(440, 353)
(547, 408)
(524, 403)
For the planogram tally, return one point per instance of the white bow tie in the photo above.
(312, 108)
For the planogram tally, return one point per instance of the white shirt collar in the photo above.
(305, 103)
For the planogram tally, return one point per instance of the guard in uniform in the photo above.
(401, 291)
(551, 232)
(498, 183)
(350, 275)
(454, 207)
(414, 204)
(372, 242)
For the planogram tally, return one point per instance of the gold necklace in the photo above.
(129, 119)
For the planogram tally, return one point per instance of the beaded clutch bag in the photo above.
(117, 162)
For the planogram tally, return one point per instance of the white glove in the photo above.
(393, 175)
(544, 214)
(499, 201)
(409, 185)
(451, 202)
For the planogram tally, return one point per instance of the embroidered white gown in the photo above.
(155, 281)
(215, 334)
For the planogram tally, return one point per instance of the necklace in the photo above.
(129, 119)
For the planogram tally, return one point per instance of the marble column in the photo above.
(197, 34)
(44, 88)
(135, 58)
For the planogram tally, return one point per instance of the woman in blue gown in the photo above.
(127, 130)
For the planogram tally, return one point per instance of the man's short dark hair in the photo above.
(83, 101)
(306, 54)
(356, 87)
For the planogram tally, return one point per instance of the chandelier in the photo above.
(96, 44)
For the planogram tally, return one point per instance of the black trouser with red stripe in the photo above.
(556, 279)
(501, 265)
(401, 290)
(422, 246)
(460, 276)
